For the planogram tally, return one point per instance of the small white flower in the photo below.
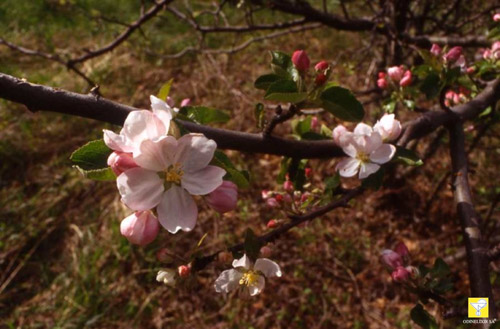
(366, 152)
(244, 274)
(166, 276)
(388, 127)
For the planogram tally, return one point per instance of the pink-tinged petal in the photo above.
(203, 181)
(140, 189)
(267, 267)
(367, 169)
(258, 287)
(348, 167)
(177, 210)
(162, 110)
(156, 155)
(362, 129)
(140, 228)
(224, 198)
(242, 262)
(141, 125)
(383, 154)
(368, 144)
(227, 281)
(194, 152)
(116, 142)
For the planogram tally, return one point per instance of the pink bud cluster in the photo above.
(302, 63)
(452, 98)
(397, 262)
(396, 75)
(454, 56)
(493, 53)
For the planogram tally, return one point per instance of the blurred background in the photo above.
(63, 262)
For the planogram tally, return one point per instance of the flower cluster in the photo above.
(493, 53)
(452, 98)
(397, 262)
(365, 146)
(302, 63)
(158, 173)
(396, 75)
(453, 57)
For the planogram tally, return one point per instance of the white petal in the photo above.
(177, 210)
(141, 125)
(116, 142)
(383, 154)
(242, 262)
(203, 181)
(194, 151)
(348, 167)
(256, 289)
(156, 155)
(367, 169)
(363, 129)
(140, 189)
(368, 144)
(267, 267)
(162, 110)
(227, 281)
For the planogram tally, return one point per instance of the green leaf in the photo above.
(165, 90)
(285, 163)
(105, 174)
(331, 183)
(431, 86)
(252, 244)
(280, 62)
(204, 115)
(374, 181)
(422, 317)
(300, 127)
(284, 91)
(410, 104)
(407, 157)
(259, 115)
(440, 269)
(240, 178)
(264, 81)
(389, 106)
(342, 104)
(91, 156)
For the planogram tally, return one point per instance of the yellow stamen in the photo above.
(250, 278)
(174, 174)
(363, 157)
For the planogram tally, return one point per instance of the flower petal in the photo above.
(257, 288)
(242, 262)
(227, 281)
(156, 155)
(368, 144)
(177, 210)
(367, 169)
(348, 167)
(140, 189)
(141, 125)
(203, 181)
(363, 129)
(383, 154)
(194, 152)
(116, 142)
(162, 111)
(267, 267)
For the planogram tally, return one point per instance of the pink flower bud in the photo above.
(272, 223)
(308, 172)
(287, 198)
(304, 197)
(388, 127)
(400, 274)
(300, 60)
(288, 186)
(279, 197)
(382, 75)
(406, 80)
(402, 250)
(170, 101)
(320, 79)
(314, 123)
(337, 132)
(184, 270)
(391, 259)
(185, 102)
(395, 73)
(265, 252)
(382, 83)
(496, 17)
(140, 228)
(266, 194)
(321, 66)
(453, 54)
(120, 162)
(487, 54)
(223, 198)
(272, 202)
(471, 70)
(436, 49)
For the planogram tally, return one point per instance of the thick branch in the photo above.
(477, 254)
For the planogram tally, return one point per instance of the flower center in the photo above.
(363, 157)
(250, 278)
(174, 173)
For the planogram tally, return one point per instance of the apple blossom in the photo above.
(395, 73)
(272, 223)
(245, 274)
(314, 123)
(406, 80)
(184, 270)
(436, 49)
(391, 259)
(400, 274)
(170, 172)
(224, 197)
(301, 60)
(402, 250)
(185, 102)
(120, 162)
(166, 276)
(337, 132)
(140, 228)
(382, 83)
(308, 172)
(141, 125)
(388, 127)
(366, 152)
(453, 54)
(288, 186)
(496, 17)
(321, 66)
(320, 79)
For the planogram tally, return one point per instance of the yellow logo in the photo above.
(478, 307)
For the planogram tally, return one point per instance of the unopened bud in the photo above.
(288, 186)
(301, 60)
(184, 270)
(453, 54)
(320, 79)
(308, 172)
(273, 223)
(436, 49)
(321, 66)
(272, 202)
(400, 274)
(265, 252)
(406, 80)
(496, 17)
